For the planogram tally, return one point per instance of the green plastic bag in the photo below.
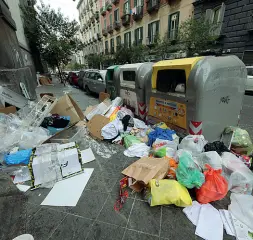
(187, 173)
(130, 140)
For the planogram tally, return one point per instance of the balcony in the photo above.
(110, 29)
(92, 19)
(104, 32)
(103, 11)
(108, 7)
(115, 2)
(89, 23)
(126, 19)
(117, 25)
(153, 6)
(138, 15)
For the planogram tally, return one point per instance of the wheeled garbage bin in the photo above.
(200, 95)
(110, 80)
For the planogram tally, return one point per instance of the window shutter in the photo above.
(125, 39)
(141, 30)
(149, 33)
(136, 37)
(129, 44)
(177, 23)
(169, 26)
(157, 28)
(135, 3)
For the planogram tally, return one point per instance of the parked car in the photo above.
(80, 79)
(94, 81)
(249, 82)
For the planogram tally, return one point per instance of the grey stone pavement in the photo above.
(94, 217)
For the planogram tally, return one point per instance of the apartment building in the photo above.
(235, 21)
(141, 21)
(90, 27)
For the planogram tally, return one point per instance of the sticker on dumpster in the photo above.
(129, 100)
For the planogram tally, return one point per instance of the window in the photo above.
(118, 41)
(106, 47)
(127, 7)
(98, 77)
(153, 32)
(92, 75)
(138, 36)
(116, 15)
(215, 16)
(173, 26)
(127, 39)
(112, 45)
(167, 80)
(138, 3)
(110, 19)
(104, 22)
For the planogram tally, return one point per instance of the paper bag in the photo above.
(147, 168)
(66, 106)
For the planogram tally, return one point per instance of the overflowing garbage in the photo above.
(170, 170)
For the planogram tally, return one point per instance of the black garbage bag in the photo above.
(217, 146)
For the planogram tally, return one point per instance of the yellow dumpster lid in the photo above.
(177, 62)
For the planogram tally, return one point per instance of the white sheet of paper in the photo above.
(209, 226)
(242, 232)
(67, 192)
(65, 146)
(87, 156)
(192, 212)
(227, 222)
(23, 188)
(69, 161)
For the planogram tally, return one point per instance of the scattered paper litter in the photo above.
(227, 222)
(209, 226)
(87, 156)
(67, 192)
(242, 232)
(192, 212)
(23, 188)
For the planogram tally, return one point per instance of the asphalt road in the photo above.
(246, 120)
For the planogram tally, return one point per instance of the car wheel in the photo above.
(87, 90)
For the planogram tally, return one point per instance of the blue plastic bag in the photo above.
(19, 157)
(165, 134)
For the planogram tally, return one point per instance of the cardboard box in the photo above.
(66, 106)
(8, 110)
(103, 96)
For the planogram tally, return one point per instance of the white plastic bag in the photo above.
(137, 150)
(193, 143)
(139, 124)
(240, 178)
(242, 208)
(211, 158)
(112, 129)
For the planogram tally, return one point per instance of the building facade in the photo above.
(136, 22)
(235, 20)
(90, 30)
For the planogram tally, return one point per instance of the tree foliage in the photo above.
(54, 35)
(196, 35)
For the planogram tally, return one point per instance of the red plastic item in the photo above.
(214, 188)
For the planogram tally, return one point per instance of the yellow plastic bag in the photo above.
(167, 191)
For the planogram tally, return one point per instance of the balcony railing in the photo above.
(108, 6)
(92, 19)
(117, 25)
(138, 15)
(103, 11)
(153, 6)
(115, 2)
(99, 37)
(96, 15)
(104, 32)
(110, 28)
(126, 19)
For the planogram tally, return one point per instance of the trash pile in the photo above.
(172, 169)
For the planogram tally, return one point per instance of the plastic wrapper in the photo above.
(242, 208)
(187, 172)
(240, 178)
(130, 140)
(211, 158)
(162, 148)
(21, 175)
(112, 129)
(137, 150)
(139, 124)
(19, 157)
(214, 188)
(193, 143)
(217, 146)
(166, 191)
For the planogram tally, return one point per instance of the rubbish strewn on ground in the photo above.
(42, 146)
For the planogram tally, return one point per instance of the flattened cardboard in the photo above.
(8, 110)
(96, 124)
(103, 96)
(88, 110)
(66, 106)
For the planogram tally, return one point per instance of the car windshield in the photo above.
(250, 71)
